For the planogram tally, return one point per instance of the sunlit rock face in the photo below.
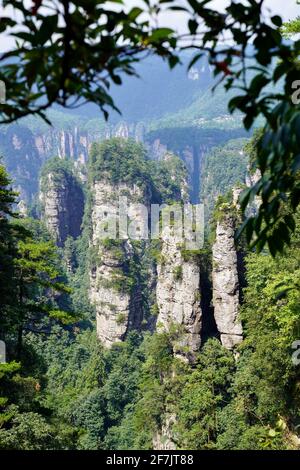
(164, 439)
(115, 294)
(226, 284)
(178, 295)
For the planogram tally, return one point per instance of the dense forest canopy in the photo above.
(62, 390)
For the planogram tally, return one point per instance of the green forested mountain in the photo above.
(223, 168)
(149, 260)
(61, 389)
(176, 107)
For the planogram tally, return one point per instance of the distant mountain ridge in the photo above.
(166, 110)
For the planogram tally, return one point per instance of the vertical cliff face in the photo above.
(25, 150)
(22, 159)
(178, 295)
(126, 130)
(193, 146)
(66, 143)
(121, 191)
(178, 280)
(226, 283)
(164, 439)
(120, 170)
(62, 203)
(252, 177)
(114, 289)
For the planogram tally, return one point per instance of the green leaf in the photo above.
(6, 23)
(160, 34)
(277, 20)
(116, 79)
(245, 197)
(296, 163)
(195, 59)
(248, 121)
(193, 26)
(290, 222)
(134, 13)
(173, 61)
(258, 83)
(273, 246)
(237, 102)
(48, 27)
(279, 71)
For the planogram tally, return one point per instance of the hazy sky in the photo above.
(286, 8)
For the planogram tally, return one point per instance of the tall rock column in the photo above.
(114, 290)
(226, 283)
(62, 202)
(178, 295)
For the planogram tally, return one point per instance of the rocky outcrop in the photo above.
(252, 177)
(110, 292)
(191, 145)
(178, 295)
(114, 290)
(62, 202)
(226, 283)
(125, 130)
(68, 139)
(164, 439)
(25, 151)
(26, 148)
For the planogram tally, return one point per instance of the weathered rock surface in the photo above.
(226, 284)
(114, 293)
(112, 302)
(62, 203)
(178, 295)
(25, 151)
(21, 158)
(251, 179)
(164, 439)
